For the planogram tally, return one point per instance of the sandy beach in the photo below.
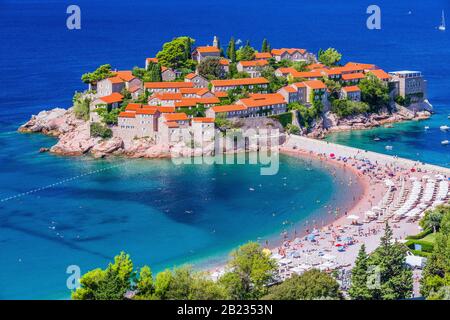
(396, 191)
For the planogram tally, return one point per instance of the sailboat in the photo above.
(442, 26)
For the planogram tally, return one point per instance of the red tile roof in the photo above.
(168, 96)
(351, 89)
(154, 60)
(192, 102)
(165, 109)
(263, 55)
(147, 110)
(224, 62)
(207, 49)
(203, 120)
(228, 108)
(261, 100)
(178, 116)
(112, 98)
(239, 82)
(254, 63)
(380, 74)
(279, 52)
(168, 85)
(315, 84)
(353, 76)
(307, 74)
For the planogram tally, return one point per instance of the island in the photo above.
(187, 91)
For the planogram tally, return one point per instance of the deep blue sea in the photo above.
(162, 214)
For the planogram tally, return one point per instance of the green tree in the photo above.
(275, 83)
(109, 284)
(292, 129)
(81, 106)
(388, 261)
(374, 92)
(210, 68)
(359, 289)
(100, 130)
(145, 288)
(176, 53)
(329, 57)
(231, 50)
(102, 72)
(251, 270)
(334, 89)
(265, 46)
(311, 285)
(435, 283)
(432, 219)
(345, 107)
(246, 53)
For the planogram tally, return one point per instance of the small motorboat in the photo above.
(389, 147)
(376, 139)
(427, 127)
(444, 128)
(445, 142)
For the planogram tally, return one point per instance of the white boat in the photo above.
(427, 127)
(389, 147)
(444, 128)
(442, 26)
(445, 142)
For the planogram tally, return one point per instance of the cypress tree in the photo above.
(231, 50)
(265, 46)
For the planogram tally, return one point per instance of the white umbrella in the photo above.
(370, 214)
(389, 183)
(352, 217)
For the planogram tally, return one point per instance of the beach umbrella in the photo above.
(266, 252)
(338, 245)
(389, 183)
(332, 155)
(311, 237)
(352, 217)
(413, 170)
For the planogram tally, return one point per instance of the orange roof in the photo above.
(330, 71)
(315, 84)
(352, 76)
(165, 109)
(178, 116)
(204, 120)
(168, 85)
(363, 66)
(306, 74)
(224, 62)
(349, 69)
(121, 76)
(279, 52)
(202, 91)
(192, 102)
(261, 100)
(191, 76)
(191, 90)
(147, 110)
(164, 69)
(221, 94)
(314, 66)
(126, 114)
(167, 96)
(171, 124)
(286, 70)
(351, 89)
(133, 106)
(112, 98)
(207, 49)
(254, 63)
(380, 74)
(154, 60)
(263, 55)
(239, 82)
(299, 84)
(290, 89)
(229, 108)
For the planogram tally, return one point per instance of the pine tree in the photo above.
(395, 277)
(265, 45)
(359, 289)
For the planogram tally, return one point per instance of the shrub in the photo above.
(293, 129)
(284, 118)
(99, 130)
(345, 108)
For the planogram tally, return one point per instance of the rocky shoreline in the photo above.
(74, 134)
(330, 123)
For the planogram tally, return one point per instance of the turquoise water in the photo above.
(162, 214)
(409, 139)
